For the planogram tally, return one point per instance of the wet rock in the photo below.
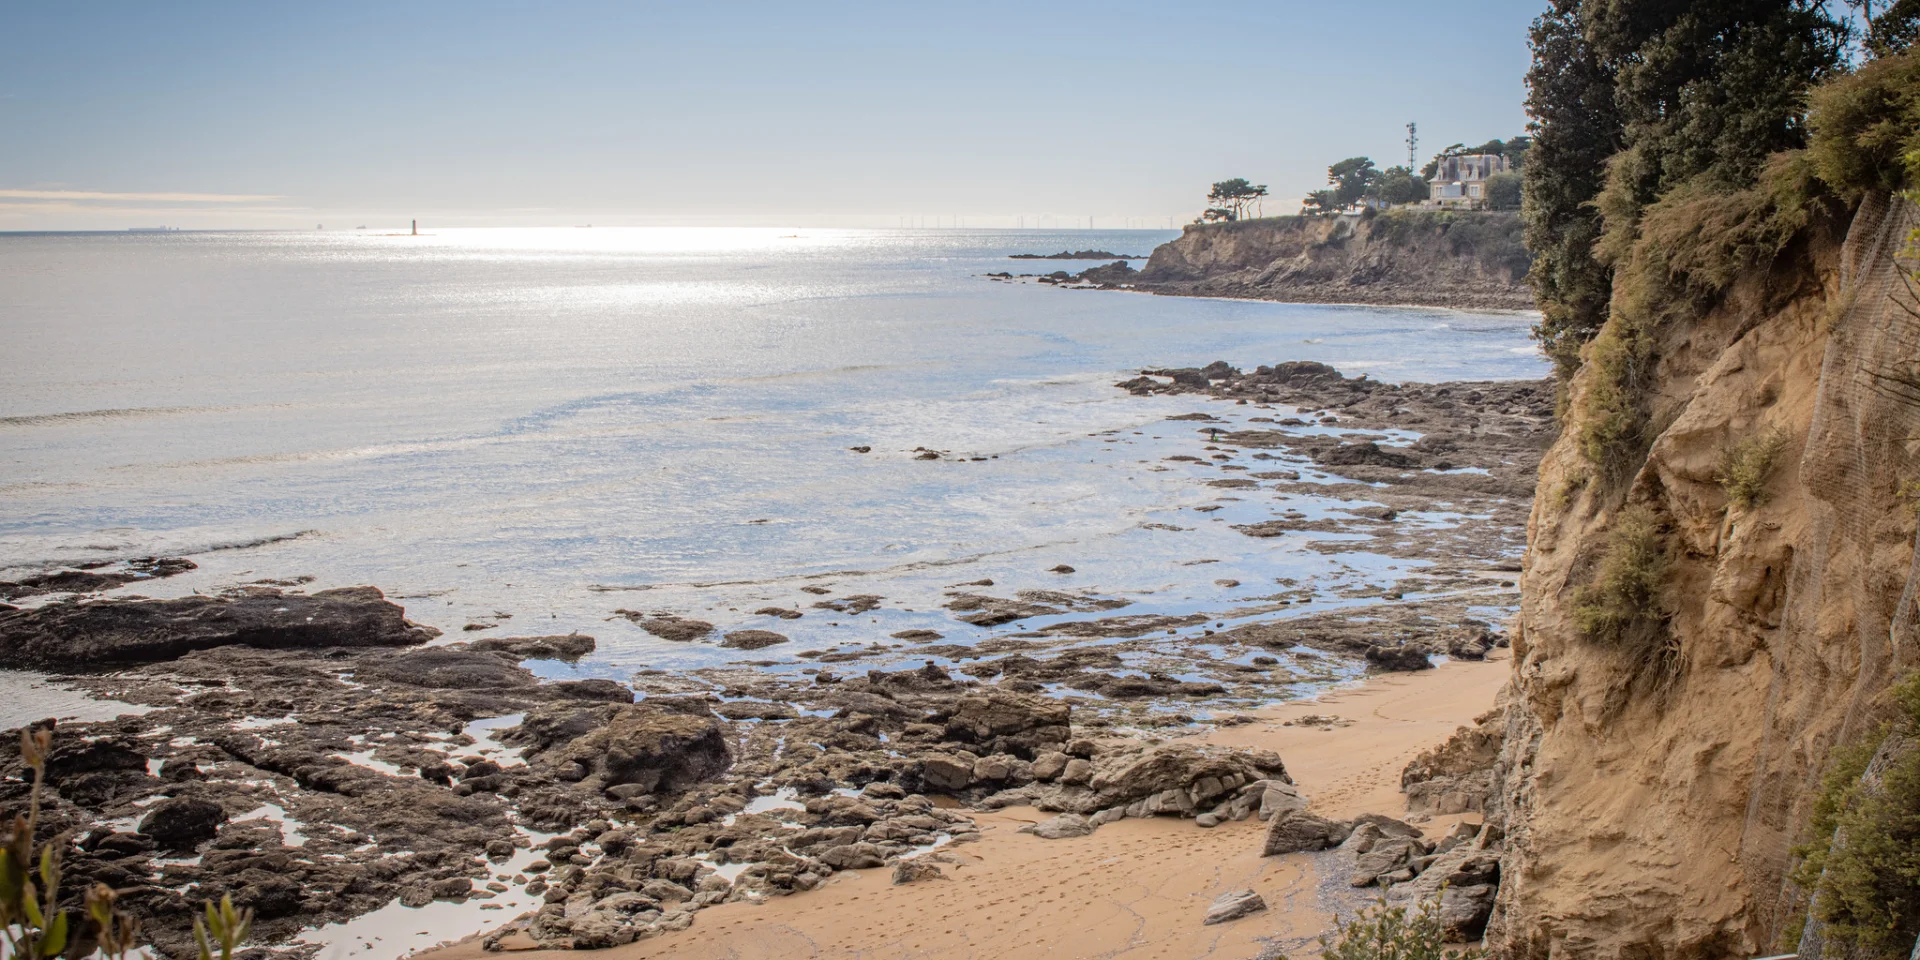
(93, 581)
(752, 639)
(1400, 658)
(754, 710)
(1471, 643)
(452, 888)
(917, 636)
(447, 668)
(1060, 568)
(1019, 724)
(71, 634)
(668, 627)
(609, 691)
(1367, 454)
(569, 647)
(647, 748)
(1301, 831)
(983, 611)
(72, 757)
(1233, 905)
(182, 822)
(851, 604)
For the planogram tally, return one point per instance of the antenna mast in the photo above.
(1413, 145)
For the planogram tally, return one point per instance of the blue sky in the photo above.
(821, 114)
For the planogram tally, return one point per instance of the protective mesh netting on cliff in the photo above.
(1847, 624)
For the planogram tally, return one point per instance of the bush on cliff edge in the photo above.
(1862, 864)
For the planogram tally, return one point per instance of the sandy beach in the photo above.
(1136, 888)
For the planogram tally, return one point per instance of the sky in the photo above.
(343, 113)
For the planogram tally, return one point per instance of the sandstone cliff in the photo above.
(1467, 260)
(1653, 789)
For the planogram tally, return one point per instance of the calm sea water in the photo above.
(552, 424)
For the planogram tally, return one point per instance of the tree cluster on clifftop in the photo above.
(1632, 101)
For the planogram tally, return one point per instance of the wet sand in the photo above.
(1137, 888)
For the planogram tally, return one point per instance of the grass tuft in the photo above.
(1746, 465)
(1625, 599)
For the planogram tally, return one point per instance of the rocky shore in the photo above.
(321, 759)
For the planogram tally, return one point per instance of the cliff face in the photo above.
(1652, 799)
(1468, 260)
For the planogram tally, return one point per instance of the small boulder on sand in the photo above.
(1233, 905)
(914, 871)
(1060, 827)
(1298, 831)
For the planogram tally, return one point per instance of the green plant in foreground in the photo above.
(1381, 932)
(224, 927)
(32, 925)
(1745, 466)
(1863, 863)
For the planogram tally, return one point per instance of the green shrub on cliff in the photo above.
(1866, 127)
(1381, 932)
(1745, 466)
(1625, 601)
(1862, 863)
(1672, 262)
(1676, 94)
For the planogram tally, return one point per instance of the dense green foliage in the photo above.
(1349, 181)
(1576, 128)
(1381, 932)
(1398, 185)
(1866, 127)
(1892, 27)
(1666, 96)
(1503, 191)
(1862, 861)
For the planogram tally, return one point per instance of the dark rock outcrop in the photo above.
(65, 635)
(183, 822)
(649, 750)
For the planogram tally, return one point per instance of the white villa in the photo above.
(1461, 181)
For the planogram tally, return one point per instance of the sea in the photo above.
(522, 431)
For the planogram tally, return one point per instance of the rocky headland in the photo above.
(1463, 260)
